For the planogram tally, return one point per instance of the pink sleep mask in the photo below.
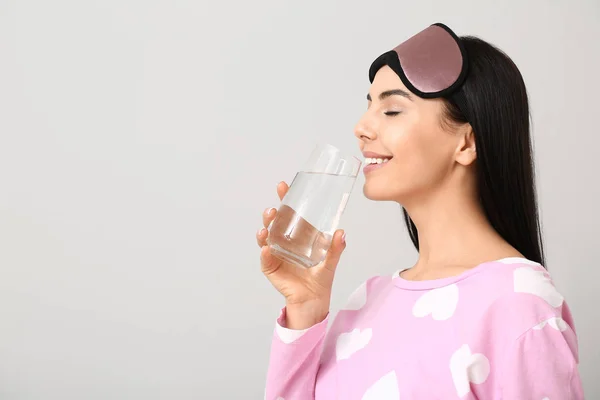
(432, 63)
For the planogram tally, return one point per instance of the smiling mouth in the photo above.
(371, 164)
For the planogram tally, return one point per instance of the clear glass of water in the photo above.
(310, 212)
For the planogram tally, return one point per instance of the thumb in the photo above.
(338, 244)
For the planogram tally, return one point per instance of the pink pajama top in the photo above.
(498, 331)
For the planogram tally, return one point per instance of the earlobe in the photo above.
(466, 157)
(473, 154)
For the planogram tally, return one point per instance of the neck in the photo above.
(454, 233)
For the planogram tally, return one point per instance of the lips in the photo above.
(375, 166)
(370, 154)
(375, 161)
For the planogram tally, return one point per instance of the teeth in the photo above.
(376, 160)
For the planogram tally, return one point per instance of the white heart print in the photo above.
(349, 343)
(529, 280)
(555, 322)
(386, 388)
(467, 368)
(440, 303)
(357, 299)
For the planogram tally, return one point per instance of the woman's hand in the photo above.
(307, 291)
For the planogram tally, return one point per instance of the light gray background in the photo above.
(141, 140)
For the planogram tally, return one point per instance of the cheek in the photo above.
(420, 157)
(412, 152)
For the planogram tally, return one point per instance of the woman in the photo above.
(446, 134)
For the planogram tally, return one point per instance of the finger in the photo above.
(268, 216)
(261, 237)
(338, 244)
(282, 189)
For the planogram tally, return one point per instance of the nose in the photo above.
(364, 130)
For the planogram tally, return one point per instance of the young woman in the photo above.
(446, 135)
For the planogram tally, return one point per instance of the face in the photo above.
(408, 131)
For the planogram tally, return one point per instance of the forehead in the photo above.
(386, 79)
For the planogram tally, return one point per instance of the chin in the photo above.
(379, 192)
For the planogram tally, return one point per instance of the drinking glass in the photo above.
(310, 212)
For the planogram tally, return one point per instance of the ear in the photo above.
(466, 152)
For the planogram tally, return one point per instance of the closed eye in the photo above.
(392, 113)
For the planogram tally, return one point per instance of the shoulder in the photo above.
(522, 296)
(521, 281)
(531, 326)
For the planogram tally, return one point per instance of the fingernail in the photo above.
(260, 231)
(271, 210)
(344, 238)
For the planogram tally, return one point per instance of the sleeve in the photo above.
(294, 361)
(542, 364)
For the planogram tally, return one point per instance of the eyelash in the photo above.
(392, 113)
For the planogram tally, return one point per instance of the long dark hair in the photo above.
(494, 101)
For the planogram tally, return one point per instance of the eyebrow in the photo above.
(394, 92)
